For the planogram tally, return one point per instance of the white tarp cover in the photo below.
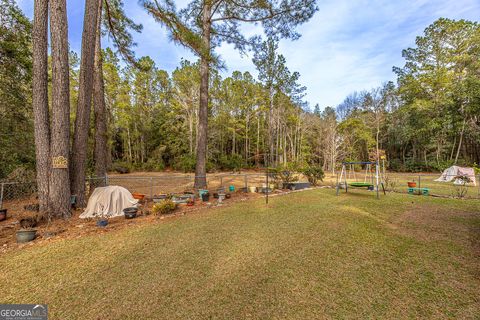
(108, 202)
(452, 174)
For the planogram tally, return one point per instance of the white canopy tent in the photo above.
(454, 173)
(108, 202)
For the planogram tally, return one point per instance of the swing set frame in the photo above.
(376, 180)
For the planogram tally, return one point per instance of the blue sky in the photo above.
(348, 45)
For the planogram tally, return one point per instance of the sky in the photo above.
(349, 45)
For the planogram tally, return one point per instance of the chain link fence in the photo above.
(16, 193)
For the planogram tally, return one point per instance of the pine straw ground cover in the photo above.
(307, 255)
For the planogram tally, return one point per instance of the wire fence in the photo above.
(453, 186)
(175, 183)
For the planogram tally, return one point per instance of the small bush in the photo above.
(284, 174)
(314, 174)
(231, 162)
(185, 163)
(122, 167)
(164, 207)
(153, 165)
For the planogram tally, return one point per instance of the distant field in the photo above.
(308, 255)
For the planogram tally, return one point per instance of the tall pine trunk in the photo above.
(202, 138)
(82, 120)
(100, 153)
(40, 101)
(59, 188)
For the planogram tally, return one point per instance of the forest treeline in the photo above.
(427, 120)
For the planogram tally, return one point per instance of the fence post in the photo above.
(106, 180)
(419, 181)
(246, 183)
(151, 187)
(1, 195)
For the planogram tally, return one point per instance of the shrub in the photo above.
(122, 167)
(153, 165)
(164, 207)
(314, 174)
(231, 162)
(185, 163)
(284, 174)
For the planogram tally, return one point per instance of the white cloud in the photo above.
(348, 45)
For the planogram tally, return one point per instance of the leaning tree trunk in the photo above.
(200, 168)
(40, 100)
(101, 148)
(59, 193)
(82, 120)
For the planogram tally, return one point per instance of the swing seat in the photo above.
(360, 184)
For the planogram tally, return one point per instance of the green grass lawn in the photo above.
(308, 255)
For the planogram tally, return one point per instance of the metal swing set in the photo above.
(372, 179)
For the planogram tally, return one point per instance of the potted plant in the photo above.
(26, 235)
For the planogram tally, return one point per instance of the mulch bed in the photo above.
(58, 229)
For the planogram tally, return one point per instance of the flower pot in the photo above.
(130, 212)
(231, 188)
(201, 192)
(3, 214)
(159, 197)
(102, 223)
(205, 197)
(252, 189)
(412, 184)
(138, 196)
(26, 235)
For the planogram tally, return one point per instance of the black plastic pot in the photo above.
(3, 214)
(205, 197)
(102, 223)
(130, 213)
(26, 235)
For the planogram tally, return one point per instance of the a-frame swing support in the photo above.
(343, 176)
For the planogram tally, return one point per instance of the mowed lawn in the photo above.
(307, 255)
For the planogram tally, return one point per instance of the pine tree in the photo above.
(205, 24)
(59, 190)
